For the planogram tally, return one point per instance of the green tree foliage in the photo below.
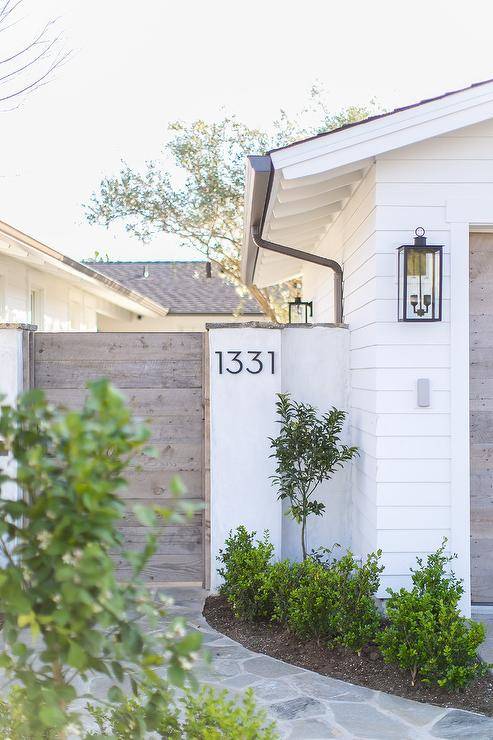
(426, 634)
(308, 451)
(196, 190)
(67, 617)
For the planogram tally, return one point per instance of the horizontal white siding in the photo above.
(352, 242)
(401, 482)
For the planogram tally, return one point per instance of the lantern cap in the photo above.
(420, 238)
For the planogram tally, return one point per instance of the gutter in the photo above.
(257, 191)
(307, 257)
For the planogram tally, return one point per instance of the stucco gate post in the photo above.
(248, 365)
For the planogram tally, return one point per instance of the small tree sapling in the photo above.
(308, 451)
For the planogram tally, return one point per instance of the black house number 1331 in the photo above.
(251, 361)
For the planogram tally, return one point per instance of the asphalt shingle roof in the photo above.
(183, 287)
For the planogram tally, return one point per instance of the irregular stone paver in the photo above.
(302, 706)
(416, 712)
(272, 690)
(310, 728)
(270, 667)
(457, 723)
(363, 720)
(307, 705)
(331, 689)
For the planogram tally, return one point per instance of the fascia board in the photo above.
(375, 137)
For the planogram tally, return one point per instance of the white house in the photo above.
(41, 286)
(354, 196)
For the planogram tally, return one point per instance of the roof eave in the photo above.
(144, 304)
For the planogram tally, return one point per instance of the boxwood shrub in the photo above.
(245, 564)
(426, 634)
(335, 600)
(330, 599)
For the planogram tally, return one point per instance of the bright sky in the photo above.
(139, 64)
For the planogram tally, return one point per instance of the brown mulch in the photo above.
(366, 670)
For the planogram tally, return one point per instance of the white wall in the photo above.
(315, 369)
(11, 384)
(310, 363)
(351, 241)
(64, 308)
(409, 489)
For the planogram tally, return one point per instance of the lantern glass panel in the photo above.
(420, 271)
(299, 311)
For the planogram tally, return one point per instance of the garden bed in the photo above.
(366, 670)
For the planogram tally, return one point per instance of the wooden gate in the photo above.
(161, 375)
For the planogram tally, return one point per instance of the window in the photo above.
(36, 307)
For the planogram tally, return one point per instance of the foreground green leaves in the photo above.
(66, 615)
(208, 715)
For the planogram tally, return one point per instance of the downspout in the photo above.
(307, 257)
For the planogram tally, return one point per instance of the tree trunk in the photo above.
(303, 537)
(58, 678)
(263, 302)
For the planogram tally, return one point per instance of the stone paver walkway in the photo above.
(307, 705)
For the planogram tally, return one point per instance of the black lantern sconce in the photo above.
(420, 280)
(300, 311)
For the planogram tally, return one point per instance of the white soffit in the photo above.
(299, 212)
(312, 180)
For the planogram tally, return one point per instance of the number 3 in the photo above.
(236, 359)
(255, 358)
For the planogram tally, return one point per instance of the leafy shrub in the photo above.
(426, 633)
(208, 715)
(67, 616)
(280, 580)
(334, 600)
(308, 451)
(245, 566)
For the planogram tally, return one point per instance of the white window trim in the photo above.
(40, 307)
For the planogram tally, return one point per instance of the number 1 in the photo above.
(220, 357)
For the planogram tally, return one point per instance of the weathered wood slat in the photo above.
(481, 389)
(132, 374)
(481, 415)
(170, 457)
(173, 541)
(161, 376)
(118, 346)
(130, 520)
(144, 402)
(155, 484)
(173, 428)
(181, 567)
